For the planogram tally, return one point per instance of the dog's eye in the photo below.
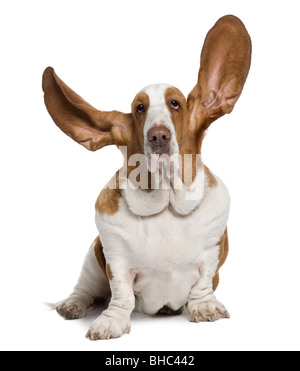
(175, 105)
(140, 108)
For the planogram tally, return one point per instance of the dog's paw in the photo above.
(71, 309)
(208, 311)
(107, 328)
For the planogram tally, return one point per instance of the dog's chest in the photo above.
(164, 241)
(165, 252)
(166, 249)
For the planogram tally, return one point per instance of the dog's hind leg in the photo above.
(92, 284)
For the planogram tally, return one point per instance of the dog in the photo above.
(162, 219)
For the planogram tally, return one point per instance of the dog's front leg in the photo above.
(115, 320)
(202, 304)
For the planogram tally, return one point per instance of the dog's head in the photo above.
(162, 120)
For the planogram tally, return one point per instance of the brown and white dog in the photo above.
(162, 219)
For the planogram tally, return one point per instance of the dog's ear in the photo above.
(224, 65)
(85, 124)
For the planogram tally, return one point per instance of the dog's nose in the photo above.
(159, 136)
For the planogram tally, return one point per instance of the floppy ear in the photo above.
(224, 65)
(85, 124)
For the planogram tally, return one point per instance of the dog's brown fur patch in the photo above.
(223, 252)
(211, 180)
(98, 249)
(109, 274)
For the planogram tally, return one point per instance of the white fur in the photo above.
(161, 246)
(158, 114)
(166, 250)
(92, 283)
(143, 203)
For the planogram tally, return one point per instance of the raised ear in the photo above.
(85, 124)
(224, 65)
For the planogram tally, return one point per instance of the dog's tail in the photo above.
(51, 306)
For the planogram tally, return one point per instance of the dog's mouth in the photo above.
(157, 151)
(159, 158)
(160, 150)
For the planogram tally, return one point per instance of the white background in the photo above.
(107, 51)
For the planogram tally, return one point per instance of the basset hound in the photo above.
(162, 218)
